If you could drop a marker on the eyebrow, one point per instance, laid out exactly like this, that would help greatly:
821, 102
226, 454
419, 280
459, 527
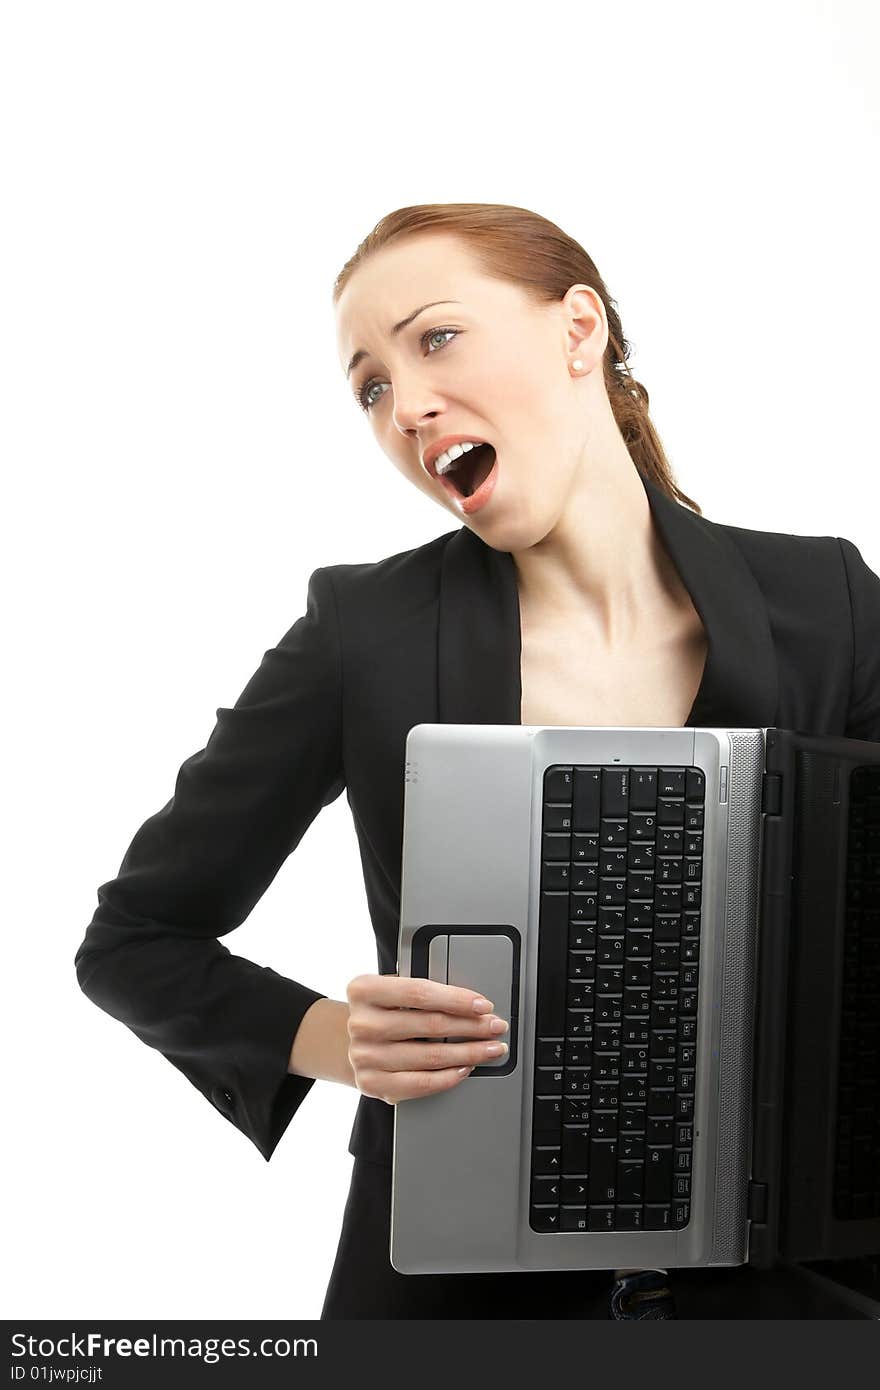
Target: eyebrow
398, 327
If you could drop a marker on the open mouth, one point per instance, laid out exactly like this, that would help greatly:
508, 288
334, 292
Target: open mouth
472, 469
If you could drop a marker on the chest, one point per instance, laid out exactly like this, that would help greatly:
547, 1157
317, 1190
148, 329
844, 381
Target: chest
567, 678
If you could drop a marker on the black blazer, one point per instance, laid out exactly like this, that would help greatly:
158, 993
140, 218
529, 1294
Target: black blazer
430, 635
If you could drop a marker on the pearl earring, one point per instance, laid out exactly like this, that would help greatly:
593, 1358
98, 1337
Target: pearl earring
577, 364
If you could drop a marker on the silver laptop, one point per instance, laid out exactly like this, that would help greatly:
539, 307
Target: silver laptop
682, 928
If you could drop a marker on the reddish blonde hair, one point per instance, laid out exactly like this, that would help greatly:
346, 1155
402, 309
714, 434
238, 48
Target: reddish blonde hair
514, 244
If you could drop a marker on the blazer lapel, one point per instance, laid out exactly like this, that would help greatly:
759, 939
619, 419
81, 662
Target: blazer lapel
479, 634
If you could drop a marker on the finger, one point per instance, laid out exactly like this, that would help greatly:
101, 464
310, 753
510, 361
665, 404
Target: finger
416, 992
410, 1085
395, 1025
427, 1056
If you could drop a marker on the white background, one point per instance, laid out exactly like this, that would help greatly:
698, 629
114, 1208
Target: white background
181, 183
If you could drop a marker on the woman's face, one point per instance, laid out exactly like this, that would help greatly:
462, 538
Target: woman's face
491, 365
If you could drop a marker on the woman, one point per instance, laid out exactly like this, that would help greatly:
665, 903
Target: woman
574, 589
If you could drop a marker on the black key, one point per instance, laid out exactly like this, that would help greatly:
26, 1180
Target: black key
576, 1110
544, 1218
604, 1124
612, 832
658, 1217
630, 1182
585, 848
639, 944
584, 878
575, 1148
607, 1037
547, 1158
695, 784
684, 1107
663, 1074
581, 994
670, 812
667, 927
582, 907
548, 1081
643, 789
578, 1022
637, 972
634, 1090
632, 1119
545, 1191
606, 1095
610, 950
556, 877
684, 1135
660, 1130
681, 1214
643, 826
547, 1114
600, 1218
658, 1174
574, 1218
578, 1053
557, 783
606, 1066
609, 979
671, 781
557, 818
555, 847
587, 785
603, 1170
663, 1047
552, 964
549, 1052
615, 791
574, 1191
582, 936
630, 1218
578, 1081
632, 1148
635, 1032
669, 841
661, 1102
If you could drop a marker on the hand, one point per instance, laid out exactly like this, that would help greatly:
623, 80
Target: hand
395, 1027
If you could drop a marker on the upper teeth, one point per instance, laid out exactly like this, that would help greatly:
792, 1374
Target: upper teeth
445, 461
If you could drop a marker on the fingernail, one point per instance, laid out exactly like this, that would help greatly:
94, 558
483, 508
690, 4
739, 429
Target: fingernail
483, 1006
499, 1025
463, 1071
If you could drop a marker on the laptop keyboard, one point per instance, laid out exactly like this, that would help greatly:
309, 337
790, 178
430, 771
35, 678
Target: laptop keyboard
857, 1159
616, 1018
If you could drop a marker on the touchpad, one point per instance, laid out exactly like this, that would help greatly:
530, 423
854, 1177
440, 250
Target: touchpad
484, 963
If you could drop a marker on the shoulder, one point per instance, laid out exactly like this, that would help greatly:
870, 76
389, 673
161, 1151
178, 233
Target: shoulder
392, 573
371, 597
800, 569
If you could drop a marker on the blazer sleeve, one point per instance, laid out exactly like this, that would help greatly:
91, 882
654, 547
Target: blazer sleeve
863, 720
195, 870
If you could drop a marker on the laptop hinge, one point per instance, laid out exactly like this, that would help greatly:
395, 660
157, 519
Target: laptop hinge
758, 1202
771, 794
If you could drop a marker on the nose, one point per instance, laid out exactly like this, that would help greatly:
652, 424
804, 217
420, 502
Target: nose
414, 402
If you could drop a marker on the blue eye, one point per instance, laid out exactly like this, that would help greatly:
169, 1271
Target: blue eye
361, 393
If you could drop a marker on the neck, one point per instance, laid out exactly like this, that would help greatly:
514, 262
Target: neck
602, 566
